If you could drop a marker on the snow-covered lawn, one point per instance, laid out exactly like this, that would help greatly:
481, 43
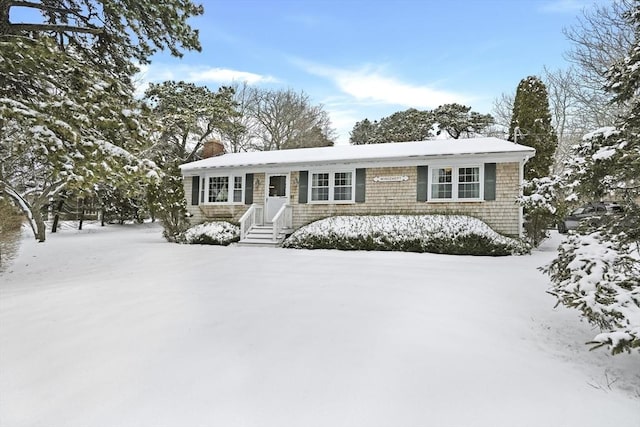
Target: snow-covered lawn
115, 327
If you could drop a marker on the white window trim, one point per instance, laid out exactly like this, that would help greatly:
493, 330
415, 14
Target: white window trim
454, 183
230, 189
332, 180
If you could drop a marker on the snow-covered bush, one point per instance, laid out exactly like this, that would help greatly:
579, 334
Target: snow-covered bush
540, 202
599, 274
212, 233
444, 234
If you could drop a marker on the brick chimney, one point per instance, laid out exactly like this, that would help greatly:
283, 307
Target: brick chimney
212, 148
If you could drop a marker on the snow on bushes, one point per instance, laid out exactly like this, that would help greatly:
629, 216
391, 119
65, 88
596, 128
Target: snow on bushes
599, 274
443, 234
212, 233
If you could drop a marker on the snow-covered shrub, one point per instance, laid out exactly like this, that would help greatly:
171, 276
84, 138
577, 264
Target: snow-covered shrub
599, 274
540, 202
443, 234
211, 233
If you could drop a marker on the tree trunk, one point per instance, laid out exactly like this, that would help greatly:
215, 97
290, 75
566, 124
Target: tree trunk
33, 214
40, 232
56, 217
81, 215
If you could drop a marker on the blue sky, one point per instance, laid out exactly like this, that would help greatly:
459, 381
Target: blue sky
368, 59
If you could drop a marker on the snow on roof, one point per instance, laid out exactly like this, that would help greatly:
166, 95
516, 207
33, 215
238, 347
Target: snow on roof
364, 153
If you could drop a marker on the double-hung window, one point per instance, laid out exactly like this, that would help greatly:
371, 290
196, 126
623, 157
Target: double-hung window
224, 189
442, 183
237, 189
343, 186
455, 183
320, 187
332, 187
469, 183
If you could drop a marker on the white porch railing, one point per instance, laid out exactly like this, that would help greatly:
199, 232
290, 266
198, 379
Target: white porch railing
283, 219
253, 216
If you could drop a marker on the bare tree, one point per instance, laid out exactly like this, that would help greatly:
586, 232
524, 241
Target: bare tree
287, 119
602, 36
503, 109
566, 112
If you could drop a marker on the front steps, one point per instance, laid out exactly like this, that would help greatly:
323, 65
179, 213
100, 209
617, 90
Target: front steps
262, 235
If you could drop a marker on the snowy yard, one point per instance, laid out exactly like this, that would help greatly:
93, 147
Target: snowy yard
115, 327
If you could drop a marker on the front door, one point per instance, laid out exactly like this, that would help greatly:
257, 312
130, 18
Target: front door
277, 194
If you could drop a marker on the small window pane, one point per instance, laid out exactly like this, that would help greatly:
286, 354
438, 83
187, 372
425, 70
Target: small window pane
320, 180
342, 193
320, 193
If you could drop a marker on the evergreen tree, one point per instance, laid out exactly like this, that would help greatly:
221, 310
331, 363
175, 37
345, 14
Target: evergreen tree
187, 116
458, 120
401, 126
598, 268
419, 125
531, 126
364, 132
167, 201
64, 126
68, 117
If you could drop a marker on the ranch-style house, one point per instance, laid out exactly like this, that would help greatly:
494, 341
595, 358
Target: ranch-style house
272, 193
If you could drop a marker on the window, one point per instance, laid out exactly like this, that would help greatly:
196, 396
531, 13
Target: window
342, 186
218, 189
441, 183
319, 186
332, 186
237, 189
469, 183
455, 183
223, 189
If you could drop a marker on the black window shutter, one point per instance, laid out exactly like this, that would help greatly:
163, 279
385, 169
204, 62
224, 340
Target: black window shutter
303, 186
423, 183
195, 190
489, 181
361, 185
248, 189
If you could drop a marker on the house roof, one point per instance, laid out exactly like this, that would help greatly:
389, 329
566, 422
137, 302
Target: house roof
341, 154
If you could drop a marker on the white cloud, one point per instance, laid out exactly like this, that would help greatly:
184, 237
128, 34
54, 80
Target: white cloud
370, 85
378, 88
195, 74
225, 75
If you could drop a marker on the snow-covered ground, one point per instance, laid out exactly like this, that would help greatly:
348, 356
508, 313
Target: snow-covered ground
115, 327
